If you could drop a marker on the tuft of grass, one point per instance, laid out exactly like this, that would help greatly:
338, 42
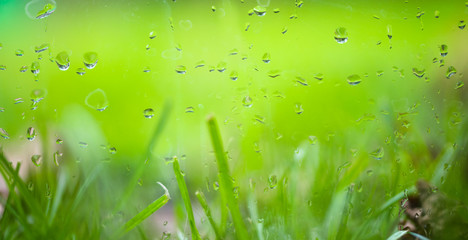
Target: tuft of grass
186, 198
145, 213
206, 208
225, 180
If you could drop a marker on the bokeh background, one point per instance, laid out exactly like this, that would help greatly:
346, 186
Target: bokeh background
411, 119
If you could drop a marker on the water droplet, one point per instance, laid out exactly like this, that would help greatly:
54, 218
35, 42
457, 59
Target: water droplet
90, 59
419, 72
462, 24
276, 10
233, 52
260, 220
19, 52
147, 69
380, 73
451, 71
3, 67
378, 154
259, 119
221, 66
341, 35
2, 109
443, 50
4, 134
233, 76
189, 110
284, 30
148, 113
272, 182
235, 190
312, 140
31, 134
80, 71
181, 69
59, 141
36, 159
200, 64
19, 100
298, 108
247, 101
266, 58
216, 186
299, 4
112, 150
302, 81
293, 16
274, 73
259, 11
63, 61
165, 223
459, 84
37, 95
83, 144
35, 67
436, 13
41, 48
46, 11
389, 31
152, 35
247, 26
97, 99
354, 79
57, 158
23, 69
370, 172
213, 8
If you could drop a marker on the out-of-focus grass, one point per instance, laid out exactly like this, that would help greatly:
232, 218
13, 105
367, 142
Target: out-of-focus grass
291, 172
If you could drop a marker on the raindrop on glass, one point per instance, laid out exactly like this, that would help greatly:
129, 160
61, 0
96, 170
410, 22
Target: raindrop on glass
148, 113
341, 35
354, 79
63, 61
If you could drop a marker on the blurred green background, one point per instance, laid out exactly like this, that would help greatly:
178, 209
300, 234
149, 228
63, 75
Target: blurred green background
409, 117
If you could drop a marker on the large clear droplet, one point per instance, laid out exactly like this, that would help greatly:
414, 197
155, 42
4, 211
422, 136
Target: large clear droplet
63, 61
148, 113
354, 79
31, 134
90, 59
341, 35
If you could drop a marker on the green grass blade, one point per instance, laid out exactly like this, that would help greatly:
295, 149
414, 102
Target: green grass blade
345, 214
141, 166
150, 209
226, 186
418, 236
204, 204
185, 196
397, 235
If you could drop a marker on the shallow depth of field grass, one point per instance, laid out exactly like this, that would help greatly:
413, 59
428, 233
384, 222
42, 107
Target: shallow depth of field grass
254, 119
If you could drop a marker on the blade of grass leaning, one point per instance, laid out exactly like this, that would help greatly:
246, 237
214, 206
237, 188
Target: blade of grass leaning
203, 203
397, 235
186, 197
345, 214
145, 213
418, 236
151, 145
226, 186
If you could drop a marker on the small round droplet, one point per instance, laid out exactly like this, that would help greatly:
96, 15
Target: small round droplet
147, 69
112, 150
41, 48
59, 141
181, 69
451, 71
37, 160
419, 72
259, 11
3, 67
274, 73
46, 11
35, 67
266, 58
57, 158
152, 35
462, 24
221, 66
354, 79
443, 50
90, 59
4, 134
189, 110
272, 182
341, 35
298, 108
276, 10
23, 69
233, 76
80, 71
19, 52
97, 99
148, 113
38, 94
436, 13
31, 134
312, 140
378, 154
63, 61
247, 101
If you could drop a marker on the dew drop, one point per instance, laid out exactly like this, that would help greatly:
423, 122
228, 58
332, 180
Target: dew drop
378, 154
148, 113
234, 76
46, 11
41, 48
147, 69
443, 50
274, 73
31, 134
23, 69
312, 140
276, 10
221, 66
37, 160
266, 58
298, 108
152, 35
97, 99
341, 35
247, 102
354, 79
189, 110
35, 67
90, 59
462, 24
272, 182
57, 158
112, 150
3, 67
80, 71
259, 11
63, 61
4, 134
181, 69
450, 72
419, 72
19, 52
